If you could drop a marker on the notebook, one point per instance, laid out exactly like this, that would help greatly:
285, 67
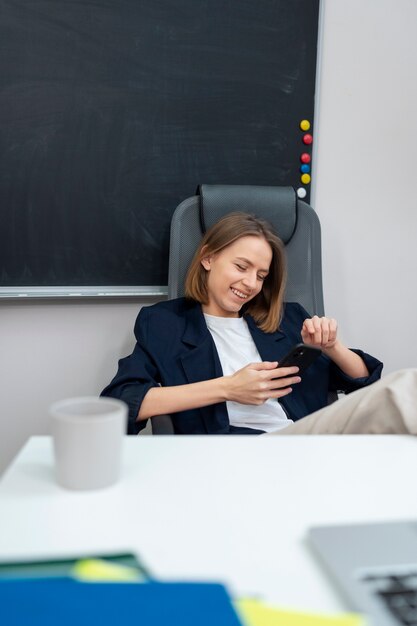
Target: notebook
65, 602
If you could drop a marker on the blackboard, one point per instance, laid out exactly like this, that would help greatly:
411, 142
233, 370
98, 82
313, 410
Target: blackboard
113, 111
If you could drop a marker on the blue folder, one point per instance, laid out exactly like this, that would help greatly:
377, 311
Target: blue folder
64, 602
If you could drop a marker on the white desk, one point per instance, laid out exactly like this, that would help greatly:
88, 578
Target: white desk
234, 509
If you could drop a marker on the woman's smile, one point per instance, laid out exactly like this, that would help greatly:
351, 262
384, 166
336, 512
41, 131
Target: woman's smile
239, 294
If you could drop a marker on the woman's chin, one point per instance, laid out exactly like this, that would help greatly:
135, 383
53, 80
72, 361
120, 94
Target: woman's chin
235, 307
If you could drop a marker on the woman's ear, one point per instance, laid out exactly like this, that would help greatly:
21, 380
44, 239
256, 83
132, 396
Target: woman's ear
205, 259
206, 263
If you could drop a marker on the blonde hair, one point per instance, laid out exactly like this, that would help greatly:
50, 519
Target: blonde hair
266, 307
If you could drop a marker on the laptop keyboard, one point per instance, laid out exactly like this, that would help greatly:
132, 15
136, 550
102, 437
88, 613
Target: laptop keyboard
398, 592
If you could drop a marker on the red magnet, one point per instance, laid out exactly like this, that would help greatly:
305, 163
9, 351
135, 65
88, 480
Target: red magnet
305, 158
308, 139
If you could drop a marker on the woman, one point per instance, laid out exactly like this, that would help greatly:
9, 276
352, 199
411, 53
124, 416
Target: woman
210, 359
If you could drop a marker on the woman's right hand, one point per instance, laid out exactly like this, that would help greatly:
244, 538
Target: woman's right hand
257, 382
253, 384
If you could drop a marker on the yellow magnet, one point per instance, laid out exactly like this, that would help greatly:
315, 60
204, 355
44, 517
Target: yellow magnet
305, 179
305, 125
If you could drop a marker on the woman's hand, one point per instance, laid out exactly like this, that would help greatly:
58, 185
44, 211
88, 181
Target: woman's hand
257, 382
320, 332
252, 384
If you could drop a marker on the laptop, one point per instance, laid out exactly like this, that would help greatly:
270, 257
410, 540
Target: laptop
375, 567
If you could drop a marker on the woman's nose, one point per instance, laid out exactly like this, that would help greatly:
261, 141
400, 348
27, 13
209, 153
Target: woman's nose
250, 280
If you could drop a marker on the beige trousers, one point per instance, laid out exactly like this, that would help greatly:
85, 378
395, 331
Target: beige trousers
388, 406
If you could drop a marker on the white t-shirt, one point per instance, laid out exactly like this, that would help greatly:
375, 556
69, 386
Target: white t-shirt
236, 349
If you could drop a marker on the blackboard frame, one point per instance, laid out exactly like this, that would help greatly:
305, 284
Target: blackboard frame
93, 289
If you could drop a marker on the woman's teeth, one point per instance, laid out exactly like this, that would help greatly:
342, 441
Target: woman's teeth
239, 294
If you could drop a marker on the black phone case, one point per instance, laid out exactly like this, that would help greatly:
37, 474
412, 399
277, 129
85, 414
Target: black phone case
301, 355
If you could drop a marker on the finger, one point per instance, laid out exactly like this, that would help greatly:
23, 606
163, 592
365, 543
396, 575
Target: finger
263, 365
325, 330
282, 372
281, 393
317, 330
281, 383
313, 327
305, 335
308, 325
332, 330
307, 331
272, 395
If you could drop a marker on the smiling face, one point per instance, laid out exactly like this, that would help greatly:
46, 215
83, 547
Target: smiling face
235, 275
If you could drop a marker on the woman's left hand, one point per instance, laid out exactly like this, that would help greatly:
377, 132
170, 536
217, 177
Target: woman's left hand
320, 332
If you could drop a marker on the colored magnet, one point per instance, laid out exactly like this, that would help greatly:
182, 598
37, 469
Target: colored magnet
305, 158
305, 125
305, 179
301, 192
305, 169
308, 139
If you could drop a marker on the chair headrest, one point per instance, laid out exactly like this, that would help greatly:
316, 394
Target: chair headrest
277, 205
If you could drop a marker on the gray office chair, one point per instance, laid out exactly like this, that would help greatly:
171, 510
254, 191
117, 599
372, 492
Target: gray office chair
294, 221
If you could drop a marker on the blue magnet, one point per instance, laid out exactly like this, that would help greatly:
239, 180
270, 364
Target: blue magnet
305, 168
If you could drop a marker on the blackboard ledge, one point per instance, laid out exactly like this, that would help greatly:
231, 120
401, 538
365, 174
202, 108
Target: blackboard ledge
127, 291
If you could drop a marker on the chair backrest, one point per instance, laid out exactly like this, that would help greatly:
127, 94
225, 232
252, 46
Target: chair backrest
294, 221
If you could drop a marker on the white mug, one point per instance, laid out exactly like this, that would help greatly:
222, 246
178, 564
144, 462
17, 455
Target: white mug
88, 439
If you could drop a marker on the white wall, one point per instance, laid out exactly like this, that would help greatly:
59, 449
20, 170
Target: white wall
365, 195
365, 192
51, 351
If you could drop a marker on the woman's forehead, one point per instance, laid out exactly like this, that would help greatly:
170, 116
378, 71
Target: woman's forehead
251, 247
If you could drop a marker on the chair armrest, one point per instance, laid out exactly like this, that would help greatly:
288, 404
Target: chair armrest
332, 396
162, 425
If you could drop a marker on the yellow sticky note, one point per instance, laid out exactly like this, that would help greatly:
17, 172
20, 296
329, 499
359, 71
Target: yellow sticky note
99, 570
256, 613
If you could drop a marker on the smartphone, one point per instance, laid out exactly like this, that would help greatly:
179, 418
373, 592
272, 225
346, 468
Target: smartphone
301, 355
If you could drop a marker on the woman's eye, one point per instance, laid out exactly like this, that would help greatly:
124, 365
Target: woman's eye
261, 277
240, 267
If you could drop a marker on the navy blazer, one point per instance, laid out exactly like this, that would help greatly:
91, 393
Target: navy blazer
175, 347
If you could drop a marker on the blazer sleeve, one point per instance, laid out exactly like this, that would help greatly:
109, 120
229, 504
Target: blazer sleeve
136, 374
339, 381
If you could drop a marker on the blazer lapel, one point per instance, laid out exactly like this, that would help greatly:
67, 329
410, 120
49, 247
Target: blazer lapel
201, 362
271, 346
198, 362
